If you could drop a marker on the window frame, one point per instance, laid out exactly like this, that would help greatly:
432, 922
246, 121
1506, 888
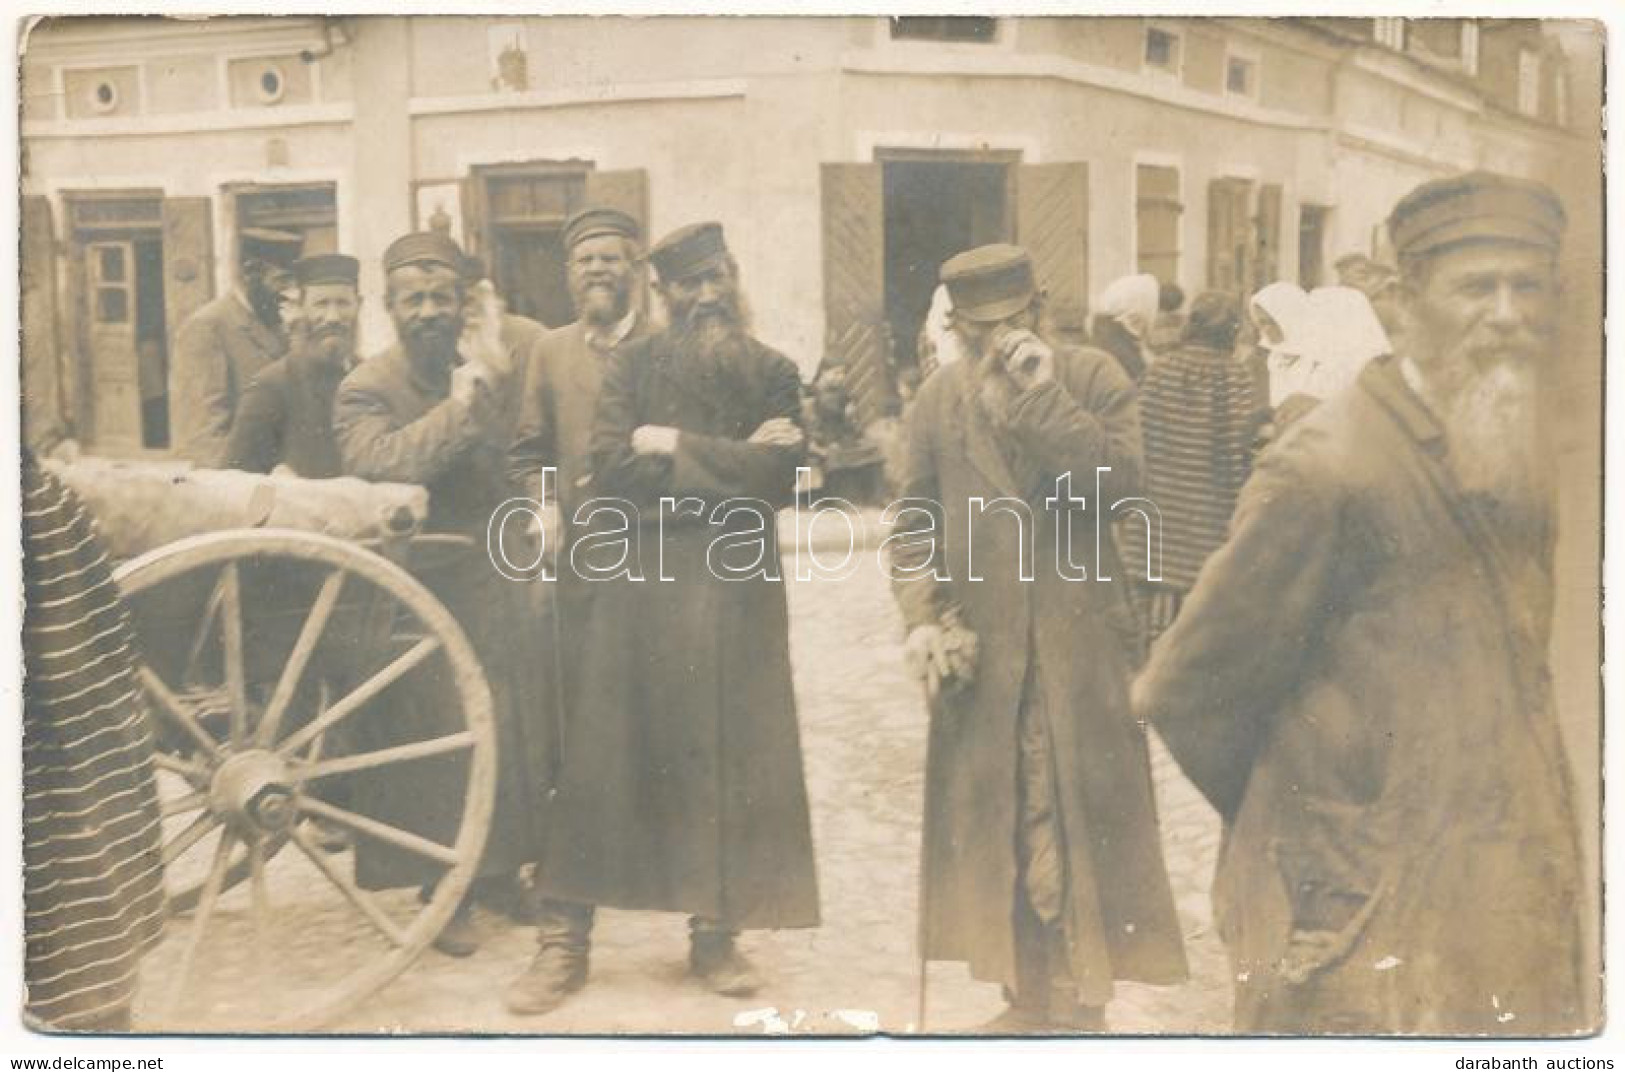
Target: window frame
1177, 71
1254, 61
1529, 73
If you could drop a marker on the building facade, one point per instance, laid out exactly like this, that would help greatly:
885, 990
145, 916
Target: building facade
846, 156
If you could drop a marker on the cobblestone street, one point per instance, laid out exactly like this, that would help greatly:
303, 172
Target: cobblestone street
864, 730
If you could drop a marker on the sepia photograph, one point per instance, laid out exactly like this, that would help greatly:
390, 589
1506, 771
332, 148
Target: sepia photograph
963, 526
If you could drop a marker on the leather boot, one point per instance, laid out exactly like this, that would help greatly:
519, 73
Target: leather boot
716, 960
559, 969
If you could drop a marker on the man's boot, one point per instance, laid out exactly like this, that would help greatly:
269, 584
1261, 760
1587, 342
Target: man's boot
714, 957
459, 937
559, 969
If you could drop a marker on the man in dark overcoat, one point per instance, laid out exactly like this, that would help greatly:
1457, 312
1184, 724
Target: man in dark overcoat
681, 784
224, 345
562, 372
421, 412
1042, 867
285, 417
1358, 681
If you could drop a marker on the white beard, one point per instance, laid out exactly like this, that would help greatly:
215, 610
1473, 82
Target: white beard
1490, 421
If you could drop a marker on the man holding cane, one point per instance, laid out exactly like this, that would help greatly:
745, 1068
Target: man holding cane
1041, 862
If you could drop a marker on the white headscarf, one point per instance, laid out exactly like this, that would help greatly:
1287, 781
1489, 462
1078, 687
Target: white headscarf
1132, 302
1288, 306
1344, 334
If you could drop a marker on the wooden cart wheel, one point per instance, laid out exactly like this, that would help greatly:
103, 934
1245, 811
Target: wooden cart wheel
261, 648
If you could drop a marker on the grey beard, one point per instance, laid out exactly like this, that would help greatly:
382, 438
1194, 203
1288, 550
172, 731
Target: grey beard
1490, 421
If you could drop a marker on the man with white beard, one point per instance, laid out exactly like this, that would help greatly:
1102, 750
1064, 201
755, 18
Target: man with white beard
1358, 680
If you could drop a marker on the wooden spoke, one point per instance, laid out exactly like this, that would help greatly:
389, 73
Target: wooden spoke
435, 746
262, 900
360, 696
200, 922
361, 824
195, 773
205, 625
353, 893
173, 707
316, 621
231, 638
182, 805
194, 832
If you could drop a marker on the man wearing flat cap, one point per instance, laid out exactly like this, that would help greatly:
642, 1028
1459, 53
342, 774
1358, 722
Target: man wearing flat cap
562, 372
681, 786
1041, 868
1358, 680
285, 417
226, 343
422, 412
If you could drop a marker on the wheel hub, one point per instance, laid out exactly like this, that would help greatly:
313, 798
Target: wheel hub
252, 789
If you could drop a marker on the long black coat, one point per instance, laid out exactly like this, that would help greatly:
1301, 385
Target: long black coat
1122, 911
682, 786
1358, 683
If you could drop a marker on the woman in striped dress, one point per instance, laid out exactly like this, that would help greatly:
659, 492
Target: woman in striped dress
92, 876
1199, 414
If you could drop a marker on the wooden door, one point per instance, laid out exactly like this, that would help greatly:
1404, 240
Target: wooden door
855, 333
1052, 224
115, 392
44, 418
1229, 234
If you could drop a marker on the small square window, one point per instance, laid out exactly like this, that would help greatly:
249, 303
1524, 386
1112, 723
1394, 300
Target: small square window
1241, 76
1162, 50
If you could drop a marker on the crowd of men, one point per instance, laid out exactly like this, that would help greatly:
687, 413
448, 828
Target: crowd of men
1343, 647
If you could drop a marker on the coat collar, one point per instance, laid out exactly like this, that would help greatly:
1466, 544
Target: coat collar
1384, 380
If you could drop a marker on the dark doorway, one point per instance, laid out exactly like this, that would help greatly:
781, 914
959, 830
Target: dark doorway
152, 357
936, 205
526, 206
1312, 245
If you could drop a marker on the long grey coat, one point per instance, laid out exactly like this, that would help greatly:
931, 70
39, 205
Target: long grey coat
1358, 683
1122, 911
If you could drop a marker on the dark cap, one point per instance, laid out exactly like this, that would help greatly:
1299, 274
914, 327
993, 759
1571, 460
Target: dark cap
1478, 206
268, 244
593, 221
688, 250
1214, 319
423, 247
990, 282
327, 268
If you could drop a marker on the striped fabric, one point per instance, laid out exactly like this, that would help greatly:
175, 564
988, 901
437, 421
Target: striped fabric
1199, 414
92, 877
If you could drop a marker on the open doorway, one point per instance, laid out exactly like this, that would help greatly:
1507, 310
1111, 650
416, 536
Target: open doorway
936, 204
525, 206
117, 270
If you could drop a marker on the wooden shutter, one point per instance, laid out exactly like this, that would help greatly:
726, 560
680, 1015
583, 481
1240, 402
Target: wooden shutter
625, 190
1052, 223
188, 261
476, 216
855, 334
44, 415
1229, 237
1267, 262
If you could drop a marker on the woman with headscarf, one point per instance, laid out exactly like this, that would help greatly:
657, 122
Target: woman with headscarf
1122, 322
1199, 416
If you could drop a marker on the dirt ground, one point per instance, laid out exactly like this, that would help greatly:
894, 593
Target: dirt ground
863, 730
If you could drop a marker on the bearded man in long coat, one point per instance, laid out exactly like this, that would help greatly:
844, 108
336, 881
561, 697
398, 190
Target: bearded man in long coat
421, 413
1358, 680
1042, 866
681, 785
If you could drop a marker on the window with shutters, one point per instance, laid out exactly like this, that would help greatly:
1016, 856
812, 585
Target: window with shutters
1157, 210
